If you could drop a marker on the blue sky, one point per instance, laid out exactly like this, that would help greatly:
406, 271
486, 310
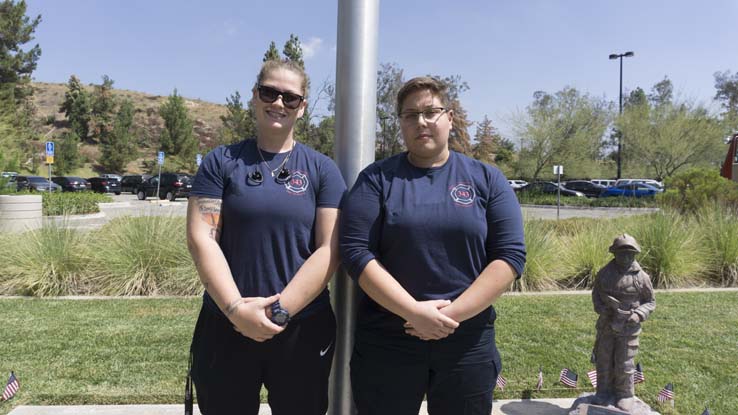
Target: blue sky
504, 50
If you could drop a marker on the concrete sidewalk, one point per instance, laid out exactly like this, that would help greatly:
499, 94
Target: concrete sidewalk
504, 407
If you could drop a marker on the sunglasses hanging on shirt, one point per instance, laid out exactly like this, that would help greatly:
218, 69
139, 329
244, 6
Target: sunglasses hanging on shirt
256, 178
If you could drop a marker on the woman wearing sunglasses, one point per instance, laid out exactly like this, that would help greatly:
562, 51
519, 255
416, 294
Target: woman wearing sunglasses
433, 238
262, 231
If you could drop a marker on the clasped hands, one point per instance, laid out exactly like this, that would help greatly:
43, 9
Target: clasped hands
430, 320
251, 318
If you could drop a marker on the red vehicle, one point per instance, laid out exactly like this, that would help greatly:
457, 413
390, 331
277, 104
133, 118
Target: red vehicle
730, 166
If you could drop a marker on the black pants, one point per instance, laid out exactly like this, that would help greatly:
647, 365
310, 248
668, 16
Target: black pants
228, 369
390, 373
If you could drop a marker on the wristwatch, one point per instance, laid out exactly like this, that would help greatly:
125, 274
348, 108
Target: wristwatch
280, 316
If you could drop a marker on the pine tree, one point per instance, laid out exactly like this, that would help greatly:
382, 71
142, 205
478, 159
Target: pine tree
238, 123
67, 155
119, 149
103, 110
293, 51
486, 138
272, 53
177, 138
17, 65
76, 106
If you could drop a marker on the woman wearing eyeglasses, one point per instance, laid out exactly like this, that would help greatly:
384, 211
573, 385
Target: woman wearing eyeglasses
433, 238
262, 231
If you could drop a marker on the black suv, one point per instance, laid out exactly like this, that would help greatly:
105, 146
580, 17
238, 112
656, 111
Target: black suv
71, 183
173, 185
130, 182
588, 188
104, 185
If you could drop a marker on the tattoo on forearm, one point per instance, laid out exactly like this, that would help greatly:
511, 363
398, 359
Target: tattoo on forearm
210, 214
233, 306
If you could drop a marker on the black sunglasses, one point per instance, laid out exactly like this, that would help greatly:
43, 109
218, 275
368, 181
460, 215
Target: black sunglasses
256, 178
269, 95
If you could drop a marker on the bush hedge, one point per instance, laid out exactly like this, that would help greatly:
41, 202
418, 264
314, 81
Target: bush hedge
72, 203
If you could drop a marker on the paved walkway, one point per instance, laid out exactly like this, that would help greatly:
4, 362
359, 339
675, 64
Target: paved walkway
504, 407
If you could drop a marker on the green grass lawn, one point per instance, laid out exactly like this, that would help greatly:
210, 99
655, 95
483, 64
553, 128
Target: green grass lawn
135, 350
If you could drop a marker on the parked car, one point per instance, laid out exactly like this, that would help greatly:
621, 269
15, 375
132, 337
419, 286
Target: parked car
631, 190
604, 182
104, 185
655, 183
130, 182
588, 188
517, 184
111, 176
8, 174
71, 183
548, 188
36, 184
173, 185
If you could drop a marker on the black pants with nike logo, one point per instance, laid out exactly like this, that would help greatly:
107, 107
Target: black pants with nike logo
229, 369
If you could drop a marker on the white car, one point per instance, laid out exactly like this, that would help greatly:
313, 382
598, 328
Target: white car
517, 184
604, 182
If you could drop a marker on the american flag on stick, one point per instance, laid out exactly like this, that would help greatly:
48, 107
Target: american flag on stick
592, 375
667, 393
706, 412
539, 382
501, 382
11, 387
568, 378
638, 376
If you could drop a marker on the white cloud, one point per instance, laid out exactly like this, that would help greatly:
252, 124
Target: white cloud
231, 27
311, 47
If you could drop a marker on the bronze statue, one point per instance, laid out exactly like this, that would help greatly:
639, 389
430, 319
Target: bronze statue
623, 297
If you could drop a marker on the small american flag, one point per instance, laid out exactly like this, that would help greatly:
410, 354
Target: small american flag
568, 378
11, 388
592, 375
706, 412
638, 375
501, 382
539, 382
667, 393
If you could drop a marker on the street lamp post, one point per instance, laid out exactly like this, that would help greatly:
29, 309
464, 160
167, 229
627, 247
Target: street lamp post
620, 138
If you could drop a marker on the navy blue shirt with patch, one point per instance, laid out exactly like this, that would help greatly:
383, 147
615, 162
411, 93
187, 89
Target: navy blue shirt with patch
434, 230
268, 227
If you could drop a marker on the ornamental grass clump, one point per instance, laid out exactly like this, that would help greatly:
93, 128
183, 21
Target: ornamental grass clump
672, 253
586, 251
49, 261
540, 266
144, 256
719, 229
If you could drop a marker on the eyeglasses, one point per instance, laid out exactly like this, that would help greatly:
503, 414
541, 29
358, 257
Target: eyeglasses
269, 95
430, 115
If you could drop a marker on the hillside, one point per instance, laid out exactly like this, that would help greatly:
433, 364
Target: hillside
205, 115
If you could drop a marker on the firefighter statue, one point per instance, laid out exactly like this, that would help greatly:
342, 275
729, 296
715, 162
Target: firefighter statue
623, 297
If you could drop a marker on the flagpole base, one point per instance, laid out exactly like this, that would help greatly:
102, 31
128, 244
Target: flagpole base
583, 406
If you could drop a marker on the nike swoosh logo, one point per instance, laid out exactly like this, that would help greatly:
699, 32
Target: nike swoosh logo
323, 352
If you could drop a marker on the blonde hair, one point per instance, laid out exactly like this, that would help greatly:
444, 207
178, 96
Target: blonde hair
274, 64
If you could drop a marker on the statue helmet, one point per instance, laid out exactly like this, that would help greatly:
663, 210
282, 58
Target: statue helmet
625, 242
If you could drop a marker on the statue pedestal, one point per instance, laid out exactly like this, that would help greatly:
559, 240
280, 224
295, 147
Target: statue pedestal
583, 406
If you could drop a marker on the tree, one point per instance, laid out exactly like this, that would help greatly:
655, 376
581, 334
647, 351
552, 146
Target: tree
103, 110
664, 139
662, 92
459, 139
272, 53
67, 156
238, 122
565, 128
77, 107
486, 139
388, 140
293, 51
726, 86
119, 148
177, 138
635, 98
16, 65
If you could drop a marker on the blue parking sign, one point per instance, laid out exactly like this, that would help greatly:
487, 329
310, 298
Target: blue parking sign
160, 158
50, 148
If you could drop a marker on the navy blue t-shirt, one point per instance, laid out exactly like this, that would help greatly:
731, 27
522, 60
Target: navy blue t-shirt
268, 228
434, 230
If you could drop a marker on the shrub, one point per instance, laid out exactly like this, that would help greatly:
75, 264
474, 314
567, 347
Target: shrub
144, 256
48, 261
719, 229
586, 251
68, 203
539, 271
671, 251
698, 187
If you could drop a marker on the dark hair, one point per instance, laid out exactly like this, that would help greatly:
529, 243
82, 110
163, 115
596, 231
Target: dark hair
274, 64
422, 83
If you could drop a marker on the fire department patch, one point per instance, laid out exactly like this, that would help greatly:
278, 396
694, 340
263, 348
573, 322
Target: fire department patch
297, 184
463, 194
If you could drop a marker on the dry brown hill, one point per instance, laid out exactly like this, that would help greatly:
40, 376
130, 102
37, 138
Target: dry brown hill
205, 115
